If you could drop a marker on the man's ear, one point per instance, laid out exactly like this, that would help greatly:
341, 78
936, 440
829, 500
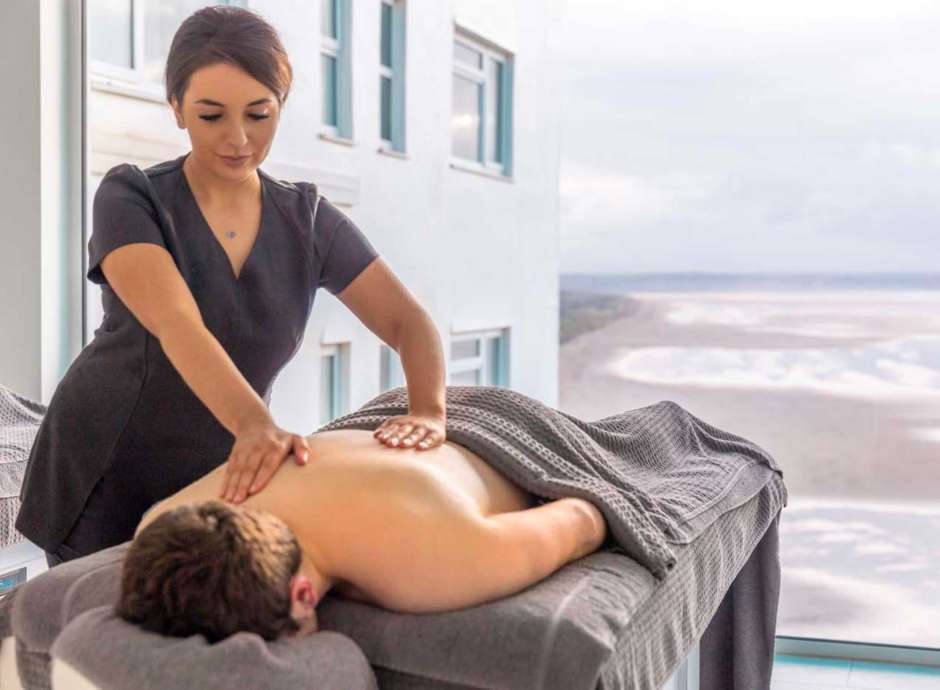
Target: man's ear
303, 596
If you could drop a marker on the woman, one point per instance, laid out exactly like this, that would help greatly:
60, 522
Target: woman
208, 268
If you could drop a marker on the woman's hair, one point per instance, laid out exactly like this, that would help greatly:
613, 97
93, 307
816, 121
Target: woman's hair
209, 568
233, 35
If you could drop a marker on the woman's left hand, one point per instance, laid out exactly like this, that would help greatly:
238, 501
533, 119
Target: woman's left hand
412, 430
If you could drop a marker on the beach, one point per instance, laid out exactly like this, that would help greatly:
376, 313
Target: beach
843, 389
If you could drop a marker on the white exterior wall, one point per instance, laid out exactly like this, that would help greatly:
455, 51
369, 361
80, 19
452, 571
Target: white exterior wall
477, 251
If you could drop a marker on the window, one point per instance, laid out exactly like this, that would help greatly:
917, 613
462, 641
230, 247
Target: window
129, 40
392, 74
481, 120
480, 358
334, 381
335, 67
391, 374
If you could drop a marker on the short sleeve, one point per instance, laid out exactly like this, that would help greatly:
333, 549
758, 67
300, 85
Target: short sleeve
122, 213
343, 249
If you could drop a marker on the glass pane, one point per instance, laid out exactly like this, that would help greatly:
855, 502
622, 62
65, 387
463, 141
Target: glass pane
462, 349
467, 56
465, 121
111, 30
466, 378
386, 48
329, 90
494, 79
495, 347
328, 18
161, 20
327, 386
386, 110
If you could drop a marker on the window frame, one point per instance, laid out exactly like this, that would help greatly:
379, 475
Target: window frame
492, 373
395, 73
130, 81
338, 394
480, 76
391, 372
339, 48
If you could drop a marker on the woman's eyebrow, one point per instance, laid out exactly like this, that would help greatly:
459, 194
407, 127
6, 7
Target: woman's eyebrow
209, 101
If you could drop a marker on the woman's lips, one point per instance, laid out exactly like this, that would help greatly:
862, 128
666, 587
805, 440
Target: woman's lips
229, 160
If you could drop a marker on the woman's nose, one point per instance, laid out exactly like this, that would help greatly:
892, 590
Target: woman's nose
236, 137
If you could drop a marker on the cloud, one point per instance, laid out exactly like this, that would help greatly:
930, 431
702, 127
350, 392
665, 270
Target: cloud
747, 137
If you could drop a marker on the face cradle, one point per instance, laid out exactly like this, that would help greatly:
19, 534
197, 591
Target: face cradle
239, 120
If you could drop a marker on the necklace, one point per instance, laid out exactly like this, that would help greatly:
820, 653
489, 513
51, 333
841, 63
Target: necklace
230, 234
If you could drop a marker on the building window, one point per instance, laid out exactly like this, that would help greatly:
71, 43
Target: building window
334, 381
481, 120
479, 359
335, 67
391, 374
129, 40
392, 74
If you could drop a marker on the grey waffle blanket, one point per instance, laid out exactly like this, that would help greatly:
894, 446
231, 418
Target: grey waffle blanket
19, 421
659, 474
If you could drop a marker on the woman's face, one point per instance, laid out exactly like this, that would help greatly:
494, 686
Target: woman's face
228, 113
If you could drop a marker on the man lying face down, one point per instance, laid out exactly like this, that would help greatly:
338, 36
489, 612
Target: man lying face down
410, 531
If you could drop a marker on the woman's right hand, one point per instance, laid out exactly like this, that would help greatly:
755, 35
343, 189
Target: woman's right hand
258, 452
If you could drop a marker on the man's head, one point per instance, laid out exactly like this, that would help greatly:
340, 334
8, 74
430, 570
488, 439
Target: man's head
214, 569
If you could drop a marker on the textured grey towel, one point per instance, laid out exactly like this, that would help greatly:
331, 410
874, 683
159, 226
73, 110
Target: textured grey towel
19, 421
659, 474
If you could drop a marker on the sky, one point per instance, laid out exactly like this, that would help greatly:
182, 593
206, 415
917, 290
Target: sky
750, 136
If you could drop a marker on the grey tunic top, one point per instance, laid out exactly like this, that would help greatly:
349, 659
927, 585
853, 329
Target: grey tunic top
121, 399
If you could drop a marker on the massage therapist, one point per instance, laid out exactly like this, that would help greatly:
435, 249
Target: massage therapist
208, 268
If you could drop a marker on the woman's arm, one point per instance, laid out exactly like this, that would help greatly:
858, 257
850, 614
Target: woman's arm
148, 282
389, 310
146, 279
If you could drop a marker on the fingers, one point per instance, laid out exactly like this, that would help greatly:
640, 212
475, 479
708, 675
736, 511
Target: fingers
420, 436
394, 433
301, 449
248, 475
266, 470
431, 440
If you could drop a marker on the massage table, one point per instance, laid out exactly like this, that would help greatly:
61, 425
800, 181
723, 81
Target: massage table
702, 617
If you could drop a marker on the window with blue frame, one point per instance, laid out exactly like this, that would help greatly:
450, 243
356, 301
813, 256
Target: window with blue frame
334, 381
129, 40
392, 74
335, 67
481, 118
480, 358
391, 374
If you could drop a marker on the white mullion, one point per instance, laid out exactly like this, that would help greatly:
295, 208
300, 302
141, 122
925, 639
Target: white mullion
469, 73
468, 364
386, 71
137, 38
329, 46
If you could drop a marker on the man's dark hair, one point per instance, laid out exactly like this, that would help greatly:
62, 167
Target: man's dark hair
212, 569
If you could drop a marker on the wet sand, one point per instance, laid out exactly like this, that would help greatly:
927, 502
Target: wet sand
828, 444
859, 550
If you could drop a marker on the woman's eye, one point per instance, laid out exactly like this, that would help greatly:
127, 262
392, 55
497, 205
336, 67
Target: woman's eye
213, 118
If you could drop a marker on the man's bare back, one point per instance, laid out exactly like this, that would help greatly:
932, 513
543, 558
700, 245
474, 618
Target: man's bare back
412, 530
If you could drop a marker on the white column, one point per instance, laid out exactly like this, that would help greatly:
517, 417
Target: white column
41, 181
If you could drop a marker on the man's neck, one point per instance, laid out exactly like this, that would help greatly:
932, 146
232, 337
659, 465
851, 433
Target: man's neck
321, 581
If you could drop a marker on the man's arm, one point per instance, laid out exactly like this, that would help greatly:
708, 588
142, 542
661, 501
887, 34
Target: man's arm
467, 560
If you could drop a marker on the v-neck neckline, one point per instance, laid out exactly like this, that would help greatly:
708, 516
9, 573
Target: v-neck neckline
215, 240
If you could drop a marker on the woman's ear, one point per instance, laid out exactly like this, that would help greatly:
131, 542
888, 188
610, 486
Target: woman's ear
176, 113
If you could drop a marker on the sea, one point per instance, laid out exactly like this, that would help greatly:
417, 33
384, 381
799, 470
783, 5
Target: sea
855, 358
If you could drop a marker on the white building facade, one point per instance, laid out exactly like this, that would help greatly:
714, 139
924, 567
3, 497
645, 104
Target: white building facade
433, 124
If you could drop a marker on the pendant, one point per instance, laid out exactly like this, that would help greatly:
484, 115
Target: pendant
230, 234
